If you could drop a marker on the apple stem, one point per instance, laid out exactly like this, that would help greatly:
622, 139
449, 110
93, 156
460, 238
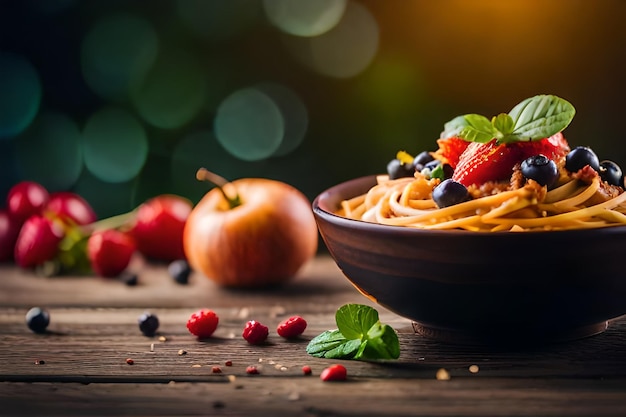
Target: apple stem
226, 187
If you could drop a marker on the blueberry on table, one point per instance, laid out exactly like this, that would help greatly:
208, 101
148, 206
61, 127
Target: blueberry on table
580, 156
148, 324
179, 270
541, 169
37, 319
449, 193
611, 173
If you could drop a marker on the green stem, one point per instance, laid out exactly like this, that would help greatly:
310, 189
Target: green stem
222, 183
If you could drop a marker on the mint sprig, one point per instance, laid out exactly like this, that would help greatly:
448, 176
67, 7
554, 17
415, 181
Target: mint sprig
359, 335
535, 118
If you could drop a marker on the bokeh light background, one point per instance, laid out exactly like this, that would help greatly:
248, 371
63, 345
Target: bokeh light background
121, 100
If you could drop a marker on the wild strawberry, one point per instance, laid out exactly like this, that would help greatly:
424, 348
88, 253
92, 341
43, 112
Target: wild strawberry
25, 199
158, 229
292, 327
255, 333
38, 241
69, 205
109, 252
202, 323
9, 230
450, 150
483, 162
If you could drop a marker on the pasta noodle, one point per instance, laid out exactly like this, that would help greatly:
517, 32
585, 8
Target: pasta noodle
407, 202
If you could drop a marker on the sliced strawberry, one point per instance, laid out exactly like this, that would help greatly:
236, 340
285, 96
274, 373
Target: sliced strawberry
450, 150
483, 162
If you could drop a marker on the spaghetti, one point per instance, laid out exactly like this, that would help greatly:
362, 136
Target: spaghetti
574, 203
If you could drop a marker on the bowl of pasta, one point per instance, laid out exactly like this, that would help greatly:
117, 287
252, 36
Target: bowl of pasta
513, 260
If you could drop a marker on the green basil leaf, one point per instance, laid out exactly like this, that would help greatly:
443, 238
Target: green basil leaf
354, 320
479, 129
540, 117
504, 123
454, 127
332, 344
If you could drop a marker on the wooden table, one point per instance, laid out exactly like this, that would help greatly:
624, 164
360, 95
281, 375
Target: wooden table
79, 368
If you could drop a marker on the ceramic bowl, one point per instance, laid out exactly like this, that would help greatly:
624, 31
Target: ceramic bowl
480, 287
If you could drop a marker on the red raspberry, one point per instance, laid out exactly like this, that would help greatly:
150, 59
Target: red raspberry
292, 327
202, 323
110, 252
334, 373
255, 333
306, 370
38, 241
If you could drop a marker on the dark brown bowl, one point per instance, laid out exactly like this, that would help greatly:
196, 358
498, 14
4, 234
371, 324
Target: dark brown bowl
480, 287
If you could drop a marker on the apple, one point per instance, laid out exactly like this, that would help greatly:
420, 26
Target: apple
252, 232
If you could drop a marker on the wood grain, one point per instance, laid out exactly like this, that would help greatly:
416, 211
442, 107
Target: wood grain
94, 330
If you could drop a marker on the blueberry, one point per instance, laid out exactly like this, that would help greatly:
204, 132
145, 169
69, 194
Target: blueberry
396, 169
37, 319
423, 158
580, 156
179, 270
541, 169
611, 173
449, 193
148, 324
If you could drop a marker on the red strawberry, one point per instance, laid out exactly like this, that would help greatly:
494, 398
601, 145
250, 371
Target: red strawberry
110, 252
483, 162
38, 241
159, 225
450, 150
9, 230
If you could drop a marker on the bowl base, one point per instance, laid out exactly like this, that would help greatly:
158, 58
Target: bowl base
503, 336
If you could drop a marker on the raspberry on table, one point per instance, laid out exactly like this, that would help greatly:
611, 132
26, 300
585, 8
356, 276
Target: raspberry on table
203, 323
255, 333
292, 327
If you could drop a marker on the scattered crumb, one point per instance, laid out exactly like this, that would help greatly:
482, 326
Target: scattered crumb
474, 369
443, 374
151, 347
196, 365
232, 378
162, 339
182, 352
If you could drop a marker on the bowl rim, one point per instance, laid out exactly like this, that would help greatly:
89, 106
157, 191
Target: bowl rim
377, 227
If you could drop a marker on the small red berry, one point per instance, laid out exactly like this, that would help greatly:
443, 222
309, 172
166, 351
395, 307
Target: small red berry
159, 225
110, 252
252, 370
255, 333
306, 370
26, 199
228, 363
334, 373
69, 205
202, 323
38, 241
216, 370
292, 327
